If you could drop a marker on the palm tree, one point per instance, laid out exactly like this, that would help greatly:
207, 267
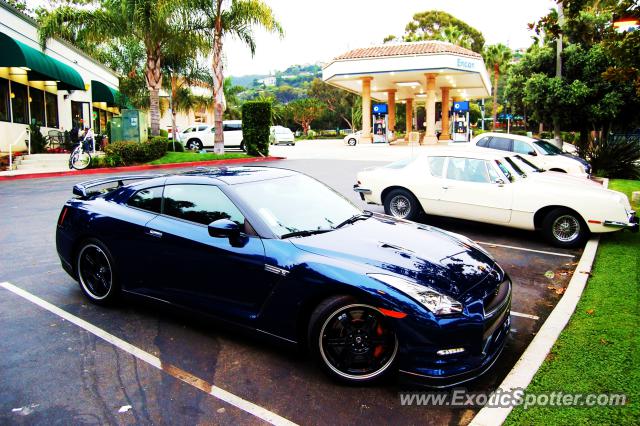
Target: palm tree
496, 57
235, 18
158, 24
455, 35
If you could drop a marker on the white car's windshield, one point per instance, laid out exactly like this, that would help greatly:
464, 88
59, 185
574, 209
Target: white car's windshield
547, 147
297, 204
283, 131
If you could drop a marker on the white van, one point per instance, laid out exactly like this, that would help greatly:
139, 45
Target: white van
199, 136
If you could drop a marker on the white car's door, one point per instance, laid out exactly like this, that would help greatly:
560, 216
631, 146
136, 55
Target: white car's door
470, 191
428, 186
232, 134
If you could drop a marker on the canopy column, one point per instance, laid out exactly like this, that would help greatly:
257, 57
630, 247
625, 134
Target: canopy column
409, 117
391, 102
445, 135
366, 110
430, 106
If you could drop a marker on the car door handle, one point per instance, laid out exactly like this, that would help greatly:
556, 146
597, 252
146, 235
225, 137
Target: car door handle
154, 233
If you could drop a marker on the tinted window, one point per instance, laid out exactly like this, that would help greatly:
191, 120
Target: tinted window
227, 127
436, 164
5, 105
51, 101
36, 99
199, 203
20, 103
521, 147
201, 128
502, 144
468, 169
483, 142
147, 199
547, 147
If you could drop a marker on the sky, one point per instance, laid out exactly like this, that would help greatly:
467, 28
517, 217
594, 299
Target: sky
317, 31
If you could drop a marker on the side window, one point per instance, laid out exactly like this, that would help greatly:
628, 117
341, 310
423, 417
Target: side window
436, 165
483, 142
521, 147
468, 169
226, 127
189, 130
149, 199
199, 203
202, 128
502, 144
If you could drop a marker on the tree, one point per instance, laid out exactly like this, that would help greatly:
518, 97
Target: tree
497, 57
235, 18
157, 24
304, 111
455, 35
431, 24
339, 102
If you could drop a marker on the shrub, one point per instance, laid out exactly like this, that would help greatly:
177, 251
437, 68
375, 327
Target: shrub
38, 141
178, 146
163, 133
614, 157
256, 119
127, 153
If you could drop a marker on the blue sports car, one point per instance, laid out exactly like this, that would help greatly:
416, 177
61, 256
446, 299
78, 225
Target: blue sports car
280, 253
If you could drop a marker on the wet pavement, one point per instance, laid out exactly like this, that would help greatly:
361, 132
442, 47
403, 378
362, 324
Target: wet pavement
54, 372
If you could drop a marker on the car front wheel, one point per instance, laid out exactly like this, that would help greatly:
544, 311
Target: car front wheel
353, 342
564, 228
402, 204
351, 142
194, 145
95, 271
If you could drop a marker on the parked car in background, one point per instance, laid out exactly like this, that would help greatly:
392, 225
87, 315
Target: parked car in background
353, 138
199, 136
281, 135
488, 186
542, 153
284, 255
170, 132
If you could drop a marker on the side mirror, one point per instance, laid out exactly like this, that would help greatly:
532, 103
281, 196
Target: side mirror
532, 153
224, 228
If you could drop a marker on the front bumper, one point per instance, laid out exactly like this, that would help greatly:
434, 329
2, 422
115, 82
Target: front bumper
631, 224
483, 343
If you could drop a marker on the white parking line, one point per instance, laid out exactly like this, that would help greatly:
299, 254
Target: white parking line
174, 371
525, 249
519, 314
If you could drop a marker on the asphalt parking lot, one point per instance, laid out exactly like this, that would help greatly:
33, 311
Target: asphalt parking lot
55, 372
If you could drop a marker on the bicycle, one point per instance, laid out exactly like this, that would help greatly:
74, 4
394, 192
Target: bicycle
80, 157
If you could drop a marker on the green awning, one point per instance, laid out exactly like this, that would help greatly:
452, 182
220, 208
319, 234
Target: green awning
100, 92
41, 67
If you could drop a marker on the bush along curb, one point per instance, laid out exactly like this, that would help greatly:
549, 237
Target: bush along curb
141, 167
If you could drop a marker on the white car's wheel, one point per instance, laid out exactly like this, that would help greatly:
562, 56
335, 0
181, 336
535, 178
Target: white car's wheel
402, 204
194, 145
351, 142
564, 228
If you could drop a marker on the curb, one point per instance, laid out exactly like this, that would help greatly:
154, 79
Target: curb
141, 167
529, 363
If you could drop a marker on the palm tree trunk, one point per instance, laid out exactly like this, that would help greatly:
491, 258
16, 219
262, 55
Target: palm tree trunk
494, 109
153, 75
174, 92
218, 86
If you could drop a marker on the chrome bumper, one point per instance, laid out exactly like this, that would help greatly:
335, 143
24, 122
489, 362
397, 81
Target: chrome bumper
361, 191
631, 225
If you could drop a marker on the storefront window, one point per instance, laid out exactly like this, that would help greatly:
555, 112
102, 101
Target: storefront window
103, 121
80, 114
19, 103
5, 104
96, 120
36, 99
52, 109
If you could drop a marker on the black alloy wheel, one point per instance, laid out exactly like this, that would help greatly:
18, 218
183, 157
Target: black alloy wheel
94, 267
353, 342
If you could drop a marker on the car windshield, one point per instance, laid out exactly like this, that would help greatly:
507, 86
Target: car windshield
295, 204
526, 165
547, 147
515, 168
283, 131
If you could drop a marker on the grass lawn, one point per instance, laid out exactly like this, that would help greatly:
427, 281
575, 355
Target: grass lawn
599, 351
185, 157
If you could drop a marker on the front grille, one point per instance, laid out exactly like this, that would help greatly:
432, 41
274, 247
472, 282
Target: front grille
494, 301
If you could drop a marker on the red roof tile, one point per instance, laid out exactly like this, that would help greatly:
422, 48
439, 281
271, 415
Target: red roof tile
405, 49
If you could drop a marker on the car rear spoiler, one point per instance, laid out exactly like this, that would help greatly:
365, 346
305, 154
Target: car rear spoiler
82, 189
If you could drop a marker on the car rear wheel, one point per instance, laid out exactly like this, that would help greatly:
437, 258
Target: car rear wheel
351, 142
564, 228
94, 267
402, 204
194, 145
353, 342
242, 147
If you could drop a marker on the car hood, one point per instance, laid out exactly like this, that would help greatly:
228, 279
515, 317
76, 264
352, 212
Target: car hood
421, 253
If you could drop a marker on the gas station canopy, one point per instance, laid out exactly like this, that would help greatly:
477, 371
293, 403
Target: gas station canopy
403, 66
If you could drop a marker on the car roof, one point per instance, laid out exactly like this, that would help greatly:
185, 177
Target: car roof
230, 175
505, 135
467, 151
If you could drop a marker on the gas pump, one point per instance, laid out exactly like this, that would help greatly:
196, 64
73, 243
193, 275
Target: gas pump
380, 123
461, 128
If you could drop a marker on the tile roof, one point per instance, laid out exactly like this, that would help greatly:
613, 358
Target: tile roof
432, 47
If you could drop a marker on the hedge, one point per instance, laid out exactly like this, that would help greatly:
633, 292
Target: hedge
256, 119
127, 153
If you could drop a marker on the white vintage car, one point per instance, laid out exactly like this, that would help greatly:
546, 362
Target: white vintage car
542, 153
499, 188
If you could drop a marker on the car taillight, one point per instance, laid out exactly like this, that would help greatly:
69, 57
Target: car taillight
63, 214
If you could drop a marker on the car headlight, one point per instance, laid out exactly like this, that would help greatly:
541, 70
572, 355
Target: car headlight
434, 301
